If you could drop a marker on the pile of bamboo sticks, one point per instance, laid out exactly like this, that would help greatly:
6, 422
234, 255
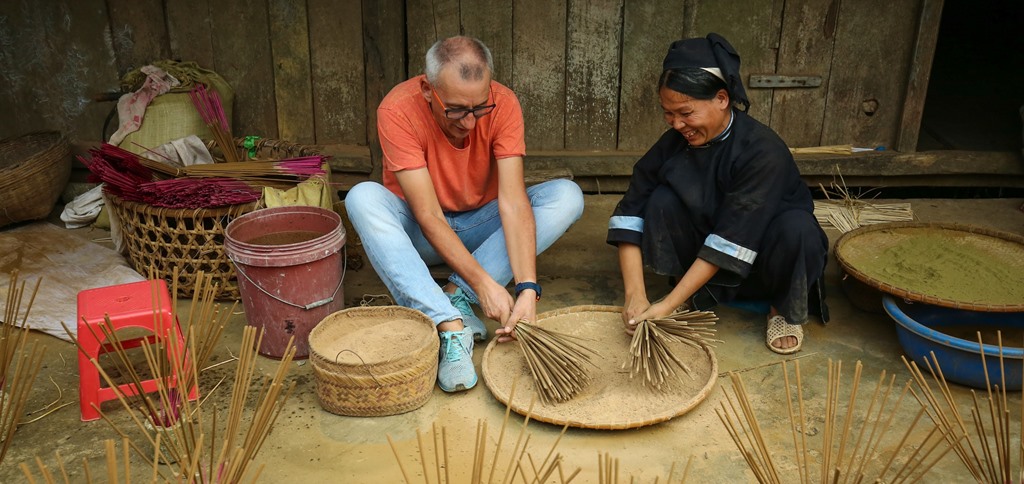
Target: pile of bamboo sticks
180, 432
982, 440
608, 471
19, 361
112, 467
521, 463
558, 363
840, 460
651, 353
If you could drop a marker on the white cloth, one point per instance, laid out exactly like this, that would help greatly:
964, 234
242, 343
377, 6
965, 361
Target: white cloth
66, 263
83, 209
186, 151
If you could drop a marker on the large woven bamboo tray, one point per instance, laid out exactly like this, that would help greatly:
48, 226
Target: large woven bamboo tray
612, 400
943, 264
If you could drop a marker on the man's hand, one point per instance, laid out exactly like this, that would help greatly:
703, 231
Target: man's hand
495, 301
525, 310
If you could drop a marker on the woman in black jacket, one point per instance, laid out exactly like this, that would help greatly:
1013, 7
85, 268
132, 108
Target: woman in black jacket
718, 204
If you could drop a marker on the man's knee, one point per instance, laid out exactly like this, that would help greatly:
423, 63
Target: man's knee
564, 194
363, 197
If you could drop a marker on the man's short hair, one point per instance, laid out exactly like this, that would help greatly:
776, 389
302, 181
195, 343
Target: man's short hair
470, 56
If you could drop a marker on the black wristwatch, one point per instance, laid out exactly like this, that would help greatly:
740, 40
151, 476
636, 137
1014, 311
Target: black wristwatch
522, 286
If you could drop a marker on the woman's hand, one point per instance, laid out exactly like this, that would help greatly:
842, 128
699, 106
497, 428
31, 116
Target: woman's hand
634, 307
657, 310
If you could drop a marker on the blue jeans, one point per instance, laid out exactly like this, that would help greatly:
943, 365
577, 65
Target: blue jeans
400, 253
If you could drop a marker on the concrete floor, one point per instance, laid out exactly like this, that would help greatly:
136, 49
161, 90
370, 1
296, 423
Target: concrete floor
312, 445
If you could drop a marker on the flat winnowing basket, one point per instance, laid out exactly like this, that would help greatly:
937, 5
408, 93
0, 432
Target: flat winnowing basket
374, 361
33, 171
191, 239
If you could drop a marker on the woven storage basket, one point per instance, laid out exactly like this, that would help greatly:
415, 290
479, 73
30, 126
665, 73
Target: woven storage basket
374, 361
190, 239
33, 171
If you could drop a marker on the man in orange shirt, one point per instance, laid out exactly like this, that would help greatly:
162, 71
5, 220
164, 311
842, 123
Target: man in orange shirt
454, 192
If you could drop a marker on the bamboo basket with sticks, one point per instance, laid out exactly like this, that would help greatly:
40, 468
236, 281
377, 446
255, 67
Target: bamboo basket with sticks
191, 240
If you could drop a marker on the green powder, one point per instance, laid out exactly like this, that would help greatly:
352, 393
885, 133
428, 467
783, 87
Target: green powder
953, 265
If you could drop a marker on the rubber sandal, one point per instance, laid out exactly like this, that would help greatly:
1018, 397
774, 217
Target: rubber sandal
779, 328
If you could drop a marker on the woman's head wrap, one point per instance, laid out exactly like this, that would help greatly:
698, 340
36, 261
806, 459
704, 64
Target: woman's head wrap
711, 54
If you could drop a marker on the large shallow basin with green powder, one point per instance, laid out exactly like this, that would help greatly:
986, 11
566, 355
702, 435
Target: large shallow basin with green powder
948, 265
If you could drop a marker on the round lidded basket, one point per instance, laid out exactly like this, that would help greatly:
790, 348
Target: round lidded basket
374, 361
33, 171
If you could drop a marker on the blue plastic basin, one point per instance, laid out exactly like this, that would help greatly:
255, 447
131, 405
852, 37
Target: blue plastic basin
918, 327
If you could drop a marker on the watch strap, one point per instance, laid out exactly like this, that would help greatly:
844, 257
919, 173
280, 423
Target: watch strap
522, 286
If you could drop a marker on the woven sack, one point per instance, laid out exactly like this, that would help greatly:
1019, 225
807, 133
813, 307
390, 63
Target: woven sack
374, 361
34, 168
160, 239
172, 115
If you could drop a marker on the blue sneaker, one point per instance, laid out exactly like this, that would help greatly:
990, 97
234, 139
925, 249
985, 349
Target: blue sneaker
469, 319
455, 371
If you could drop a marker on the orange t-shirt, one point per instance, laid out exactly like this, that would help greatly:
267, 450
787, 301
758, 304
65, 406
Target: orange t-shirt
464, 178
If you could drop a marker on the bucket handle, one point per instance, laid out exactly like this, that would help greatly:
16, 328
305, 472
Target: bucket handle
307, 307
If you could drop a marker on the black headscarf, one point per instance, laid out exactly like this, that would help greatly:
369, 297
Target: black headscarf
712, 51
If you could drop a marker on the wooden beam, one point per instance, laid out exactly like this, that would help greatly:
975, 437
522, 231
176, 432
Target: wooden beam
592, 93
385, 55
293, 92
876, 164
338, 76
920, 73
539, 70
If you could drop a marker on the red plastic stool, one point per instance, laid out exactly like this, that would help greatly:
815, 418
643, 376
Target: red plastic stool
128, 306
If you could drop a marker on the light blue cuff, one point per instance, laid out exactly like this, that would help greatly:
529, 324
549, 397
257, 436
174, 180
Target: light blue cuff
622, 222
728, 248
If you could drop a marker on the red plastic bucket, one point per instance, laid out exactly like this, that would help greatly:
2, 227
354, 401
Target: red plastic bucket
290, 269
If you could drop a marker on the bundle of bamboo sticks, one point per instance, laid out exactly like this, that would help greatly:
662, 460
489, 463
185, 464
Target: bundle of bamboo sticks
839, 461
651, 353
19, 361
981, 440
847, 212
208, 105
558, 363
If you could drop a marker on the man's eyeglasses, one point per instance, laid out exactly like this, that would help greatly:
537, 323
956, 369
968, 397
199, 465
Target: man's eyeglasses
459, 113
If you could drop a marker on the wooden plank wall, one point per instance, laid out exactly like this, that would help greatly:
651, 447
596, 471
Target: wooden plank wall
585, 70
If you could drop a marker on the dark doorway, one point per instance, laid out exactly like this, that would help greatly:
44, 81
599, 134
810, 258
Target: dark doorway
975, 95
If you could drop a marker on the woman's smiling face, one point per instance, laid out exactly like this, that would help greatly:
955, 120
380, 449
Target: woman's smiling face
698, 120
